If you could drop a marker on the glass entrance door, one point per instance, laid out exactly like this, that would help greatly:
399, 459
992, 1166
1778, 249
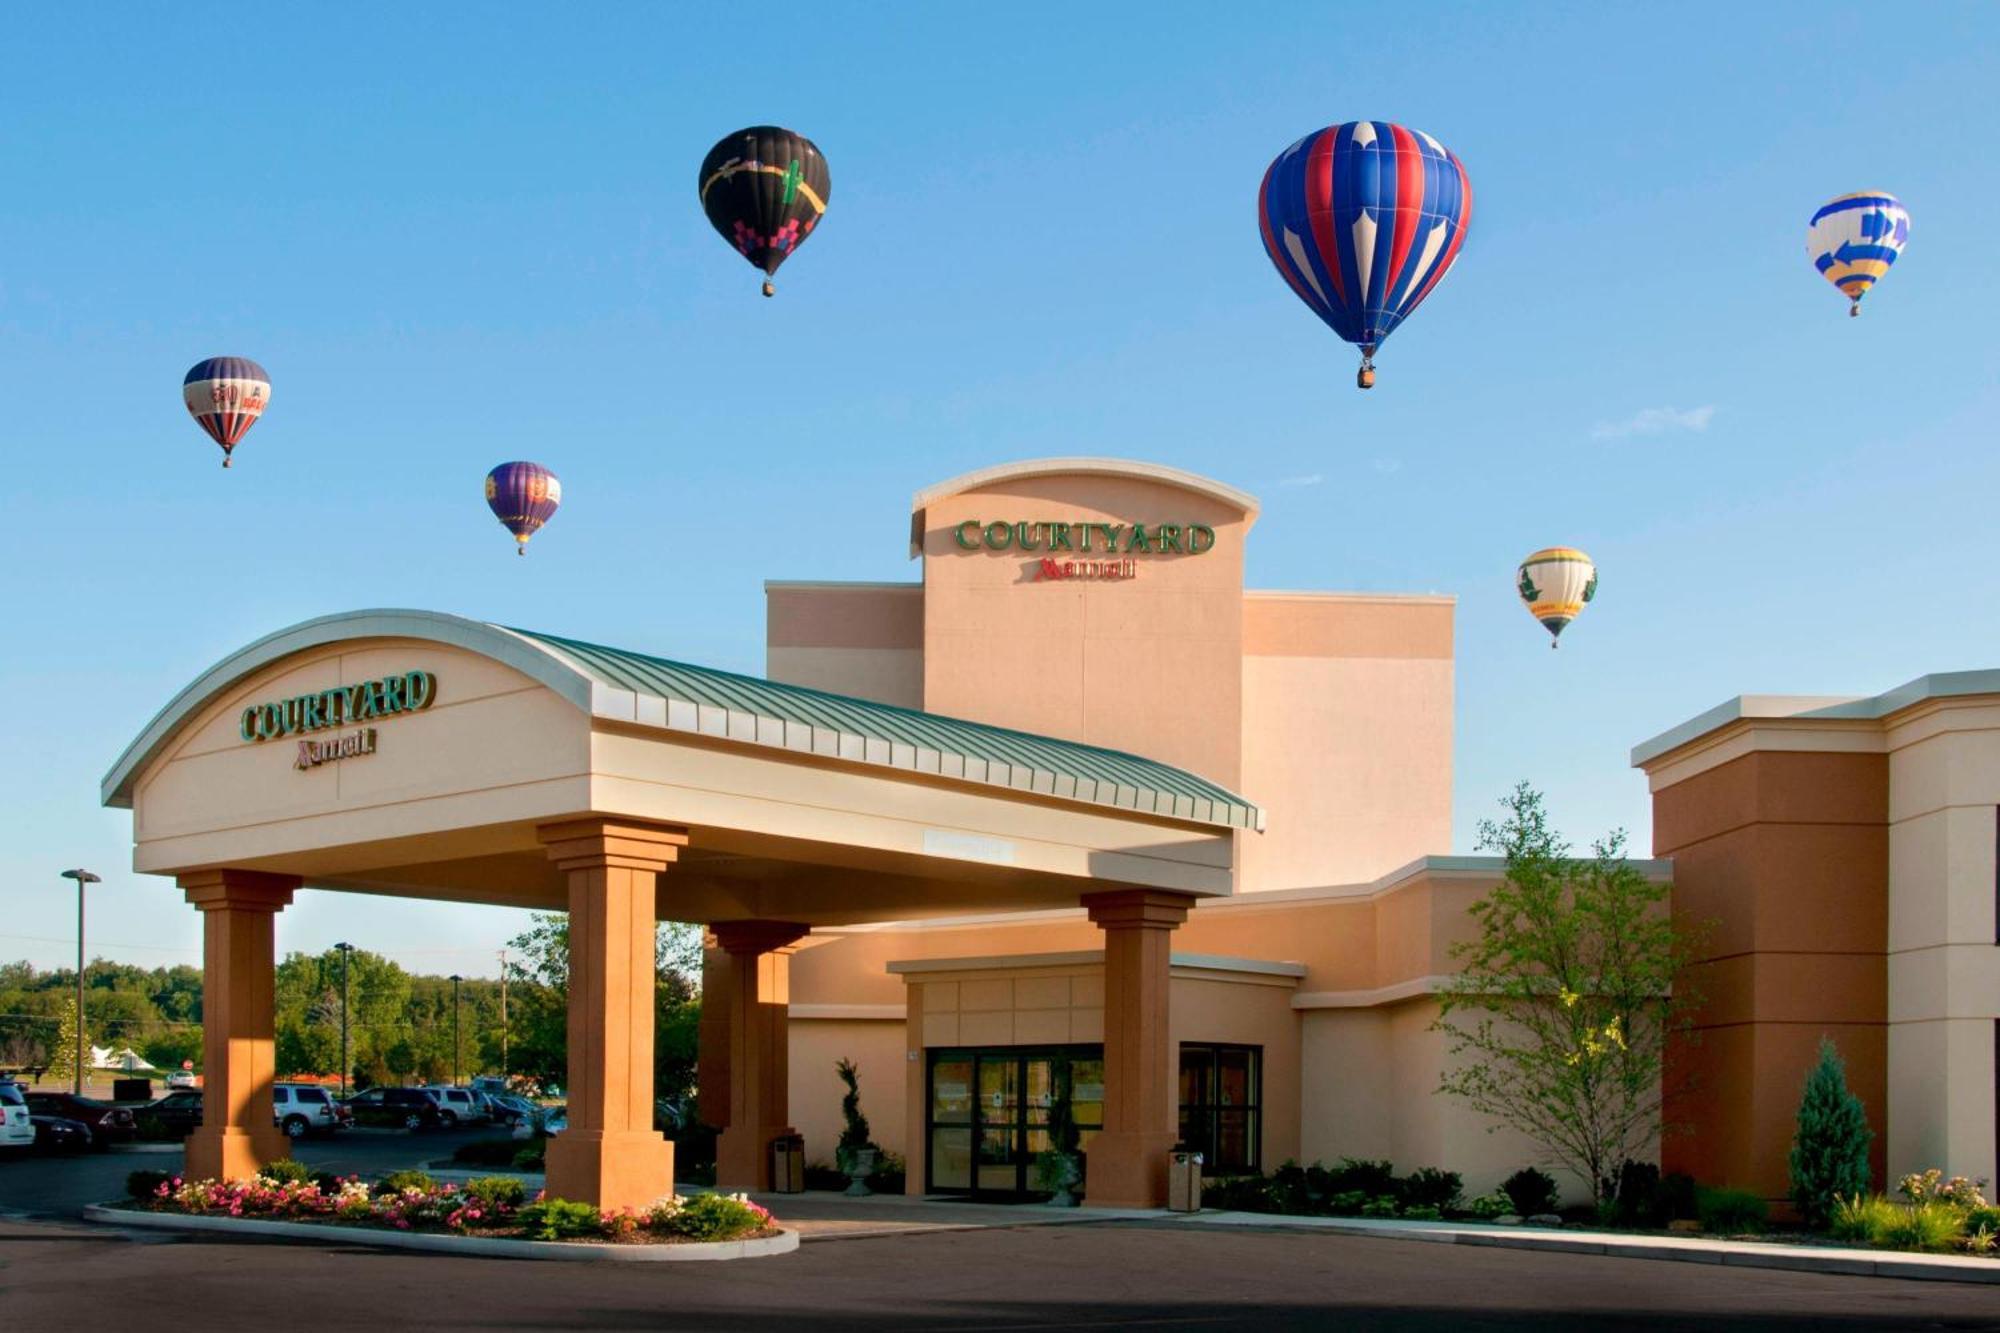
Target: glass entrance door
989, 1115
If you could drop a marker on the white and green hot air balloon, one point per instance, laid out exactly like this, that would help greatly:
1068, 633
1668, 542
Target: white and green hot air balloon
1555, 585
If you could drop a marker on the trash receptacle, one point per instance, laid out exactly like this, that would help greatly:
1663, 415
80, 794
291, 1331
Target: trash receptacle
788, 1164
1184, 1181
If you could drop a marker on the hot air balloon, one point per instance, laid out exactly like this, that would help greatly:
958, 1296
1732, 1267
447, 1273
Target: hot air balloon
523, 496
1555, 585
1363, 220
226, 395
1854, 239
765, 189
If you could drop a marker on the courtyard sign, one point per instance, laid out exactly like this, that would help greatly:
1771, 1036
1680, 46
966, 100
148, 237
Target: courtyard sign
410, 692
1109, 539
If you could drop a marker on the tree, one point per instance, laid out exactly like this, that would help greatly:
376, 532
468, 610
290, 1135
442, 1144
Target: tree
1830, 1151
62, 1059
1557, 1023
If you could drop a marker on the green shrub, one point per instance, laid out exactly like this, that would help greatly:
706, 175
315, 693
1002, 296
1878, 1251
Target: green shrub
1531, 1191
398, 1181
1489, 1206
491, 1192
1240, 1194
708, 1217
1422, 1212
560, 1219
286, 1171
1429, 1187
1986, 1217
485, 1152
1829, 1159
1929, 1227
1347, 1203
1353, 1173
531, 1158
145, 1184
1860, 1217
1730, 1212
1382, 1205
892, 1173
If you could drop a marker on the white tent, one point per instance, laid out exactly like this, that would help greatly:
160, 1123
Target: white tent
129, 1060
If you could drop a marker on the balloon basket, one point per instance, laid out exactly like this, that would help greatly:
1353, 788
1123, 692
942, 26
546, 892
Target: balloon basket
770, 289
1854, 310
1364, 378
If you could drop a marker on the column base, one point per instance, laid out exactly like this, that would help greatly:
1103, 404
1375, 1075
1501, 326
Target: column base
612, 1170
231, 1152
1127, 1170
743, 1156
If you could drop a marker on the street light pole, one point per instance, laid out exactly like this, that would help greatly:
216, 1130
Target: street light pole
82, 877
455, 979
503, 1015
346, 1061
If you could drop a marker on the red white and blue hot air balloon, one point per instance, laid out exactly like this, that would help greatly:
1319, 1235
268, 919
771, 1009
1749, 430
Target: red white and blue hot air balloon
226, 395
1363, 220
523, 496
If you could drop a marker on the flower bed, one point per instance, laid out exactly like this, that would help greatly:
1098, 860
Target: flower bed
492, 1207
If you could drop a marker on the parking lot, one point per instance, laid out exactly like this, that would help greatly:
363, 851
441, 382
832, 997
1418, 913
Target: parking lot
60, 1186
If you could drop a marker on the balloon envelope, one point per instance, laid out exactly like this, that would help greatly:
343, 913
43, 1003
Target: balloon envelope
226, 395
764, 189
1555, 585
1363, 220
523, 496
1854, 239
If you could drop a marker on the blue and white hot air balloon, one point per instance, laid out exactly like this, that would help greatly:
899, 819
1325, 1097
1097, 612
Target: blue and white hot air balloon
1362, 220
1854, 239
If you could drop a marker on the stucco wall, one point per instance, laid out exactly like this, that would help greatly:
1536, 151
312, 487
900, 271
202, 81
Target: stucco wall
876, 1048
859, 639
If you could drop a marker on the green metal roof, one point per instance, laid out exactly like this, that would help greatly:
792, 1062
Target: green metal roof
625, 686
709, 702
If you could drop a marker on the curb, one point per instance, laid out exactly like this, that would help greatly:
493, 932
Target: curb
481, 1247
160, 1149
1734, 1254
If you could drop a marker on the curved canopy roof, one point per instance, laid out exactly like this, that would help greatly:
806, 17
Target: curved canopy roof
625, 686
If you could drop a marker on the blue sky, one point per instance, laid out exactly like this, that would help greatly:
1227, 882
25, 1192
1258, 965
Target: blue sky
457, 236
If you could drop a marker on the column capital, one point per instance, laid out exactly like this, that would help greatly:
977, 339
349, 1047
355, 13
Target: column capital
754, 937
237, 890
1145, 909
580, 844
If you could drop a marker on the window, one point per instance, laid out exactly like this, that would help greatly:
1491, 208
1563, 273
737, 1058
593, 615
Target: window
281, 1095
314, 1096
10, 1095
1222, 1090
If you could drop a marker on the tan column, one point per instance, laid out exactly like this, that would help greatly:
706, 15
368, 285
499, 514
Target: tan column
610, 1154
757, 992
238, 910
1127, 1161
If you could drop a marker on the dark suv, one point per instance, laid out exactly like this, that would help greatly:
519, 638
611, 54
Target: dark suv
107, 1124
411, 1108
179, 1111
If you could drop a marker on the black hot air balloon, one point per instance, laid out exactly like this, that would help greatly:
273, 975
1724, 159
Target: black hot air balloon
765, 189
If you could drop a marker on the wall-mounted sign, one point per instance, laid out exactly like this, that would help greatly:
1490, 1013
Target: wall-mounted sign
314, 753
1105, 539
1088, 569
410, 692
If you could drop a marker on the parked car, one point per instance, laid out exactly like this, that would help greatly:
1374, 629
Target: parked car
179, 1111
17, 1128
410, 1108
181, 1078
108, 1124
301, 1109
543, 1120
55, 1134
456, 1105
509, 1109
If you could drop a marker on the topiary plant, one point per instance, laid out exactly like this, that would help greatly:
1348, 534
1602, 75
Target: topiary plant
1829, 1158
854, 1135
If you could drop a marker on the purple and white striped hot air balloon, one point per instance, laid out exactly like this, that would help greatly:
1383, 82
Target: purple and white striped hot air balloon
523, 496
226, 395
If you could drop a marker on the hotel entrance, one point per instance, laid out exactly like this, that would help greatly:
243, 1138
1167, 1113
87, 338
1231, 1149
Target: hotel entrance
988, 1114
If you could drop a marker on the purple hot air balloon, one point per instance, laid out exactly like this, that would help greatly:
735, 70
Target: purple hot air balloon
226, 395
523, 496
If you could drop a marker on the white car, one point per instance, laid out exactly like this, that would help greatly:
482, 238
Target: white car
181, 1078
17, 1130
301, 1109
456, 1106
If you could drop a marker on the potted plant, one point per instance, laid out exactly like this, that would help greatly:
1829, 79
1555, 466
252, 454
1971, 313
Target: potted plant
1059, 1167
856, 1153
